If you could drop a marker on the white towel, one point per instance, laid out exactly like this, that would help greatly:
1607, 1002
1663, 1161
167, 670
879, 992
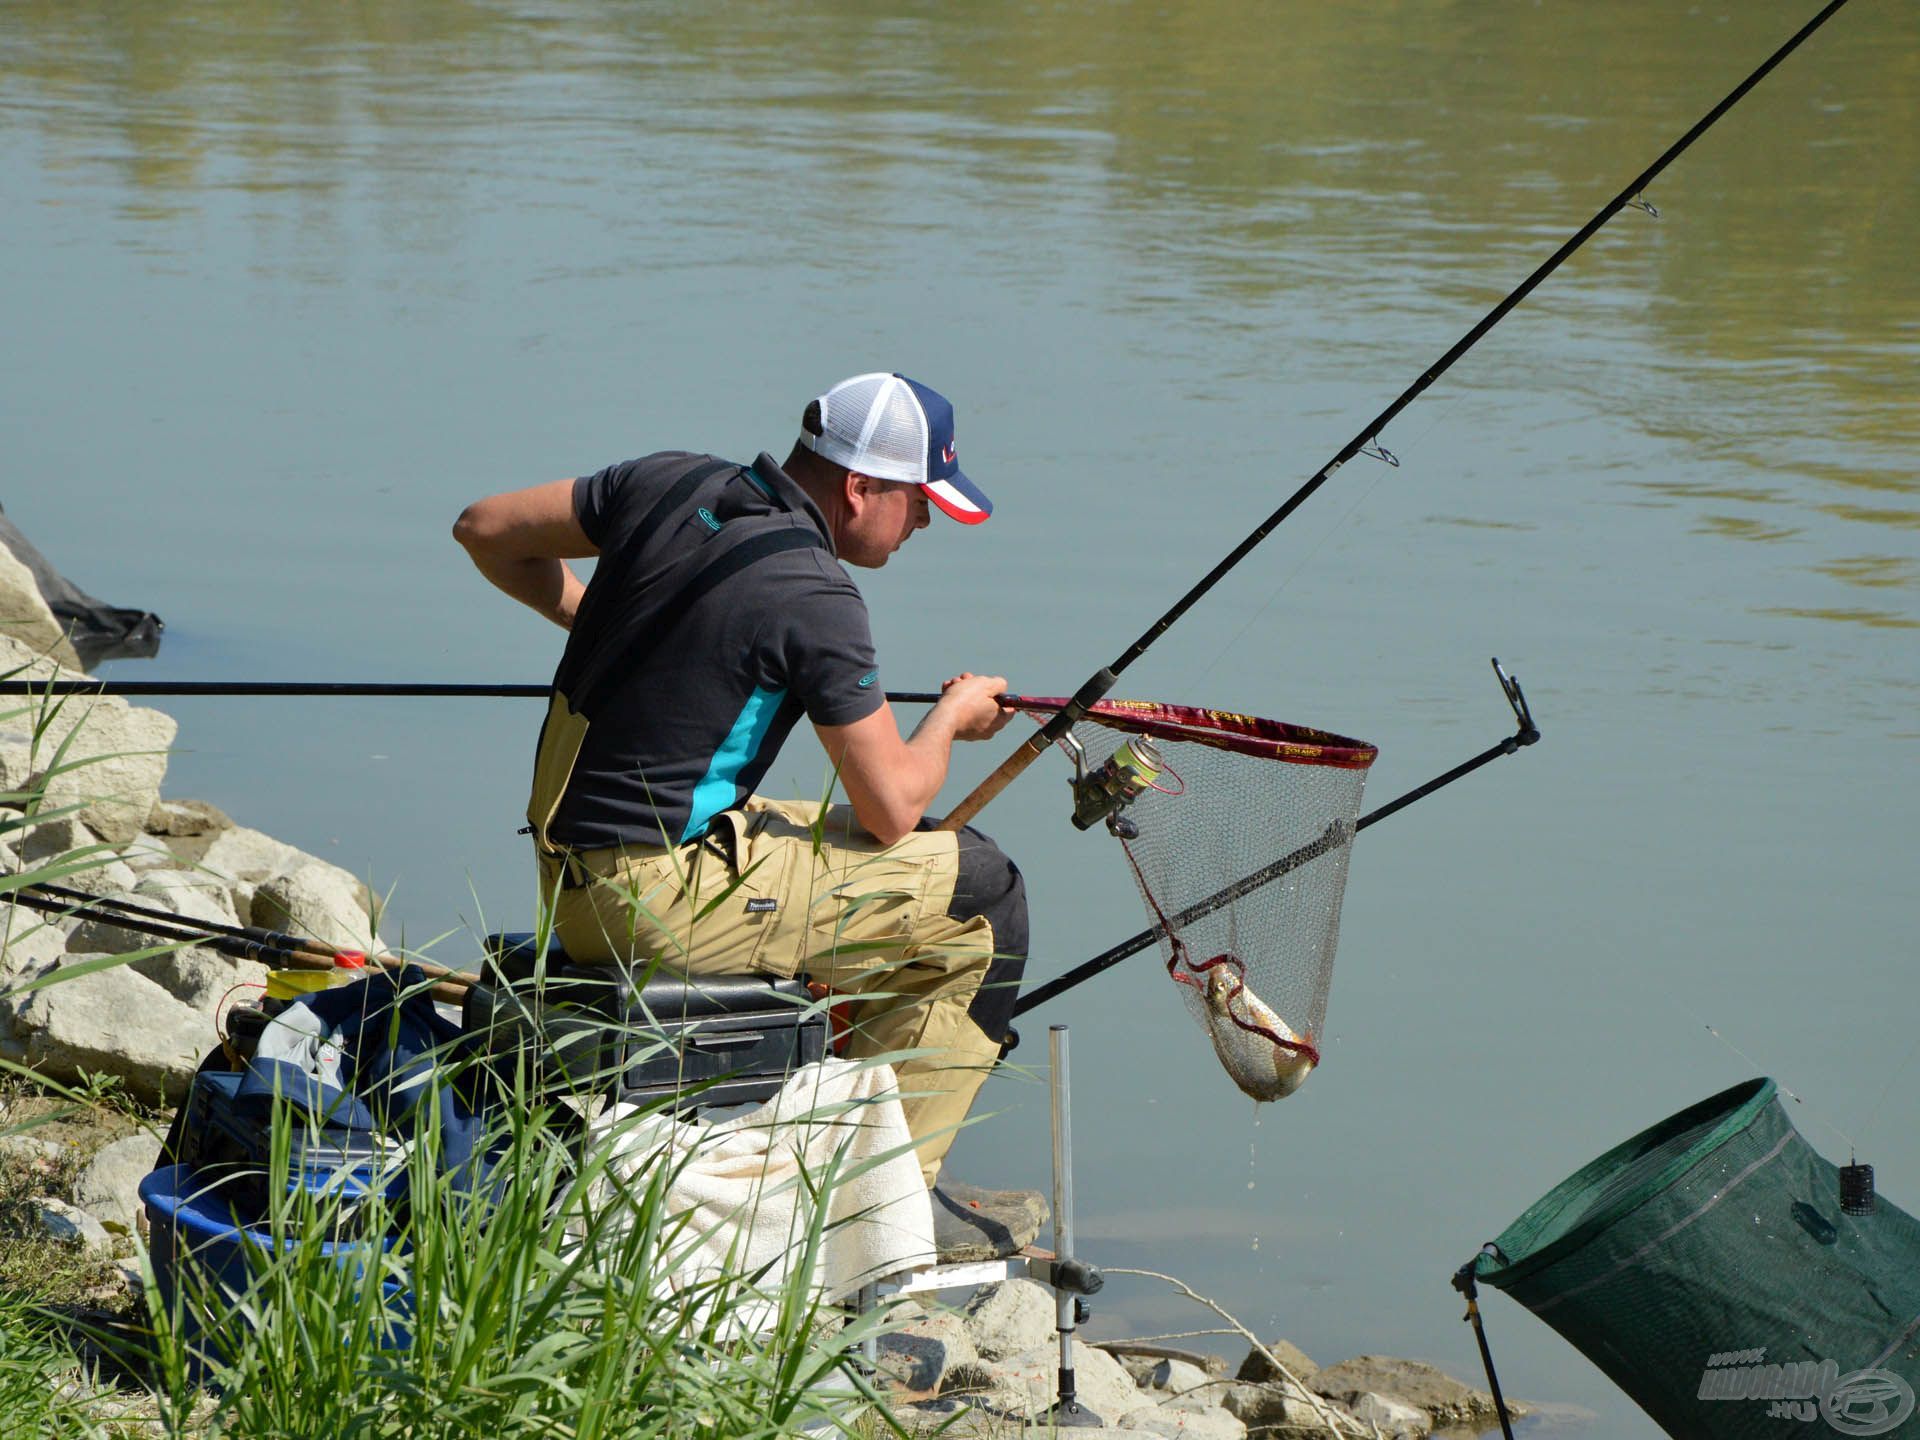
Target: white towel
746, 1188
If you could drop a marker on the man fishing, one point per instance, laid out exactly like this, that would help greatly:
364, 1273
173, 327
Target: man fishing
719, 613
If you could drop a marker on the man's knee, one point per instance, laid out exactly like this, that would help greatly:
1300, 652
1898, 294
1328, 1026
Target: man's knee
990, 885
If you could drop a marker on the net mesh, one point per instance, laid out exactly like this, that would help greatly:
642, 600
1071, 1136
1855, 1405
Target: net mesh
1243, 834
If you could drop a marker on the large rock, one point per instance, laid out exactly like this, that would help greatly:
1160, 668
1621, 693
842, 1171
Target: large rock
115, 1022
1394, 1419
1426, 1387
196, 975
88, 861
25, 616
923, 1350
105, 936
100, 874
197, 896
111, 769
1176, 1377
237, 852
205, 979
1185, 1417
1276, 1407
57, 835
109, 1188
67, 1222
28, 945
1011, 1317
317, 901
146, 853
16, 750
1027, 1384
28, 940
239, 856
1258, 1368
183, 819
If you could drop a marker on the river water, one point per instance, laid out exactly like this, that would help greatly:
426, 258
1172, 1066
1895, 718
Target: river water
287, 285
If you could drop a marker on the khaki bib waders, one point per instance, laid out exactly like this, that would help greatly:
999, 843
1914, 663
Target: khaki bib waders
777, 888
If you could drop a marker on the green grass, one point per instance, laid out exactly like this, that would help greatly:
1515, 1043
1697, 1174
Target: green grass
33, 1265
516, 1312
520, 1311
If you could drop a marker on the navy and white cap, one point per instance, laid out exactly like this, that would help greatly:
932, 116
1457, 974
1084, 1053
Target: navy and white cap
893, 428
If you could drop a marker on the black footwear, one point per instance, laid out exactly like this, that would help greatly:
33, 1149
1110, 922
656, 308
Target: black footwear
974, 1224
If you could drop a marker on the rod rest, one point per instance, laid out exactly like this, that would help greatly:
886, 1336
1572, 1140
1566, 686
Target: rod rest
640, 1032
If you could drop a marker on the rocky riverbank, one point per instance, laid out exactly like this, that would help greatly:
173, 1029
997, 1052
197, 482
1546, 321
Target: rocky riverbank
141, 1027
991, 1366
97, 765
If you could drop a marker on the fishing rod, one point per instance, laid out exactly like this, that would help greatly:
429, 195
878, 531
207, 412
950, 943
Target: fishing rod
244, 942
1367, 441
1335, 835
340, 688
247, 941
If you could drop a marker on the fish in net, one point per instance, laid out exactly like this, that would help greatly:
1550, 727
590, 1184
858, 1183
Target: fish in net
1266, 1059
1237, 831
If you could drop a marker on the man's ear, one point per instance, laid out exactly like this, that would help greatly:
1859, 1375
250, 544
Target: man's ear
859, 489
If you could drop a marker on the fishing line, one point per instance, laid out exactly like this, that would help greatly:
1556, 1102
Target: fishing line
1367, 441
1266, 605
1898, 1071
1306, 559
1757, 1067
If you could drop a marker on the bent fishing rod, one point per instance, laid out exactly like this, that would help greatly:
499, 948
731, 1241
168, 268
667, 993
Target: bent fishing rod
1335, 835
1366, 442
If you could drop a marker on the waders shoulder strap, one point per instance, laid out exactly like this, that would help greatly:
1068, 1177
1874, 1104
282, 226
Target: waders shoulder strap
611, 667
614, 568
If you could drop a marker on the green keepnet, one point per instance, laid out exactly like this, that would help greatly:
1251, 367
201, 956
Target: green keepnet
1706, 1266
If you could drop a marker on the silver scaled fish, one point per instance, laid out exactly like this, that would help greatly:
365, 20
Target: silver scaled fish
1260, 1068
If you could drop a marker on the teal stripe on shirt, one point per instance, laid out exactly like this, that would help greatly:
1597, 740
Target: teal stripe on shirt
719, 787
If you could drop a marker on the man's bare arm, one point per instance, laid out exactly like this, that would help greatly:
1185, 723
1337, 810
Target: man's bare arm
891, 781
522, 540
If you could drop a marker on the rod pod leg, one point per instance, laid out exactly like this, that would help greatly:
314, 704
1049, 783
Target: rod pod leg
1065, 1274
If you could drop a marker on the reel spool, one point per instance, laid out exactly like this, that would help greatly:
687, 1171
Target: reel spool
1128, 773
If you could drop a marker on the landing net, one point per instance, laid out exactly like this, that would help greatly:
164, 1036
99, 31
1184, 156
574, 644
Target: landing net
1242, 832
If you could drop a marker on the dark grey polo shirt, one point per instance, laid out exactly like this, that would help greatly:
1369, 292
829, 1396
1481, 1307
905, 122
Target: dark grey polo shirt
727, 673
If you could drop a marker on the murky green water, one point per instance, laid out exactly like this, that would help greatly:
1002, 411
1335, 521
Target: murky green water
286, 285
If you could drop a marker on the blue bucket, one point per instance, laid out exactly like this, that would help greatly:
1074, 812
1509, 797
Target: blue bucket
195, 1227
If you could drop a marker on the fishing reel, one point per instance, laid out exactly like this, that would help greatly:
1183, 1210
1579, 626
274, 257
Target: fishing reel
1105, 793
